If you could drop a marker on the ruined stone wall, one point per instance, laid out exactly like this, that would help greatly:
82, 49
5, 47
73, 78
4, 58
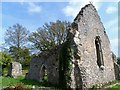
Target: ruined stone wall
50, 62
86, 71
90, 26
116, 67
15, 69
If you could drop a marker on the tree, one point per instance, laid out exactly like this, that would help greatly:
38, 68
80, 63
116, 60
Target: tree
118, 60
49, 35
24, 55
16, 36
5, 60
15, 53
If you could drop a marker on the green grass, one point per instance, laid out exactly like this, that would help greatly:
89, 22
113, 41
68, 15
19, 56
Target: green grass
8, 81
114, 87
20, 81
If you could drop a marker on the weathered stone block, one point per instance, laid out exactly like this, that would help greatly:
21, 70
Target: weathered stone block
15, 69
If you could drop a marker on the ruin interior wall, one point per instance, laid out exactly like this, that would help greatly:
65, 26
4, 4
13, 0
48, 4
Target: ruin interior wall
50, 62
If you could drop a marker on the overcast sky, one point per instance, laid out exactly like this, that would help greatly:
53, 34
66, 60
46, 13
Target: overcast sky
34, 14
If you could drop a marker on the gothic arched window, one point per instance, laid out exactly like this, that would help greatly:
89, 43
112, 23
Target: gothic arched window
99, 53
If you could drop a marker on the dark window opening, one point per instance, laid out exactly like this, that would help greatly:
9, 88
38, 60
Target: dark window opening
99, 53
45, 77
56, 68
36, 66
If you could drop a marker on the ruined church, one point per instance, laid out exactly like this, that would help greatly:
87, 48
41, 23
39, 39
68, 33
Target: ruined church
87, 50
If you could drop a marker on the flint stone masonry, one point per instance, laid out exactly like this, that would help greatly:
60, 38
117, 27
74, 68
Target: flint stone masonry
90, 27
92, 58
48, 61
15, 69
116, 67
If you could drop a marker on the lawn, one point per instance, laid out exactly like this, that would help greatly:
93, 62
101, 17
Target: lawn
20, 81
8, 81
114, 87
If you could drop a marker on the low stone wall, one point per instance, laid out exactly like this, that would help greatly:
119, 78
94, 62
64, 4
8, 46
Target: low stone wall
45, 63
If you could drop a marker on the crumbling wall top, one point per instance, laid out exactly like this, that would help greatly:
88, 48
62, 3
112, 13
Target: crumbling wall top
80, 14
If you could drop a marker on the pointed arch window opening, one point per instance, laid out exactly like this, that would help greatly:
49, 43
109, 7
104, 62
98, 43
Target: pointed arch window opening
44, 74
99, 53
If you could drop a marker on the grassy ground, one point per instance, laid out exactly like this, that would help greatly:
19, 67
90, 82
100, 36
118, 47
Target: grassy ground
8, 81
20, 81
114, 87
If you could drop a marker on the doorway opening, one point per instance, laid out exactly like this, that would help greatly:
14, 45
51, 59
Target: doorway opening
44, 76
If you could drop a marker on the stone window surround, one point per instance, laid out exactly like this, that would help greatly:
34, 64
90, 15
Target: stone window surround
99, 54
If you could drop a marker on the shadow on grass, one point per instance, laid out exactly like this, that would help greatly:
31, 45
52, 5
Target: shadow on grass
30, 82
36, 83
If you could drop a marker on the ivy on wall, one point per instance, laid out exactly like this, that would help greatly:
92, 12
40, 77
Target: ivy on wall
65, 57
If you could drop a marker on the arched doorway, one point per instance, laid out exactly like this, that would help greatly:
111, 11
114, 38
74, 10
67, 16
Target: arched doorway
43, 74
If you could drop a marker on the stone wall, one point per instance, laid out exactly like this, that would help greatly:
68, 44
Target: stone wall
116, 67
83, 43
91, 54
50, 62
15, 69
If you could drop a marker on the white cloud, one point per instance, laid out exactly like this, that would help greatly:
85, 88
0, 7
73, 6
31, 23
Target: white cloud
111, 28
33, 8
74, 6
111, 10
70, 11
112, 24
114, 42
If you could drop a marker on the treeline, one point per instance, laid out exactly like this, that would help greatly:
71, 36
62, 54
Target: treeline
21, 45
